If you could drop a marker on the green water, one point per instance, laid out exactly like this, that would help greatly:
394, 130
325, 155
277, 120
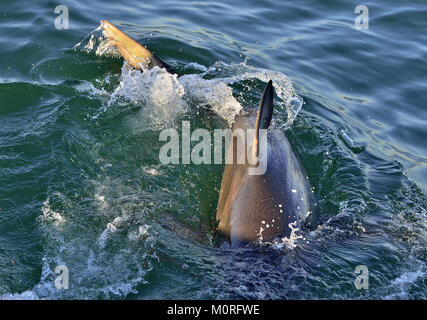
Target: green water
81, 183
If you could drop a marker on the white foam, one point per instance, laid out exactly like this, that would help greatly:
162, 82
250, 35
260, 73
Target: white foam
26, 295
152, 171
51, 216
158, 92
214, 93
285, 242
407, 278
140, 234
285, 92
111, 228
402, 283
97, 43
164, 96
196, 66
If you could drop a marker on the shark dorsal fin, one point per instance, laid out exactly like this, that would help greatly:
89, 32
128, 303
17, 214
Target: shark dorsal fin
265, 112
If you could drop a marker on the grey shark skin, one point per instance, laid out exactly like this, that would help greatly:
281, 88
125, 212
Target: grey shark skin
269, 205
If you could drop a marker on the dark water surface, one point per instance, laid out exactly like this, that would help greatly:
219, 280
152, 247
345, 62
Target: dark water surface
81, 184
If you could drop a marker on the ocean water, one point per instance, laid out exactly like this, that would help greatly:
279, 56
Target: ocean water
81, 184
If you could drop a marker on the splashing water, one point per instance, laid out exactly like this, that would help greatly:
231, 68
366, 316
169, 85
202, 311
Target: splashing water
158, 91
285, 92
285, 242
126, 240
96, 42
166, 96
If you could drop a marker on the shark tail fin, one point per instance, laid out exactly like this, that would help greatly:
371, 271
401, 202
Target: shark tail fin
264, 115
134, 53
